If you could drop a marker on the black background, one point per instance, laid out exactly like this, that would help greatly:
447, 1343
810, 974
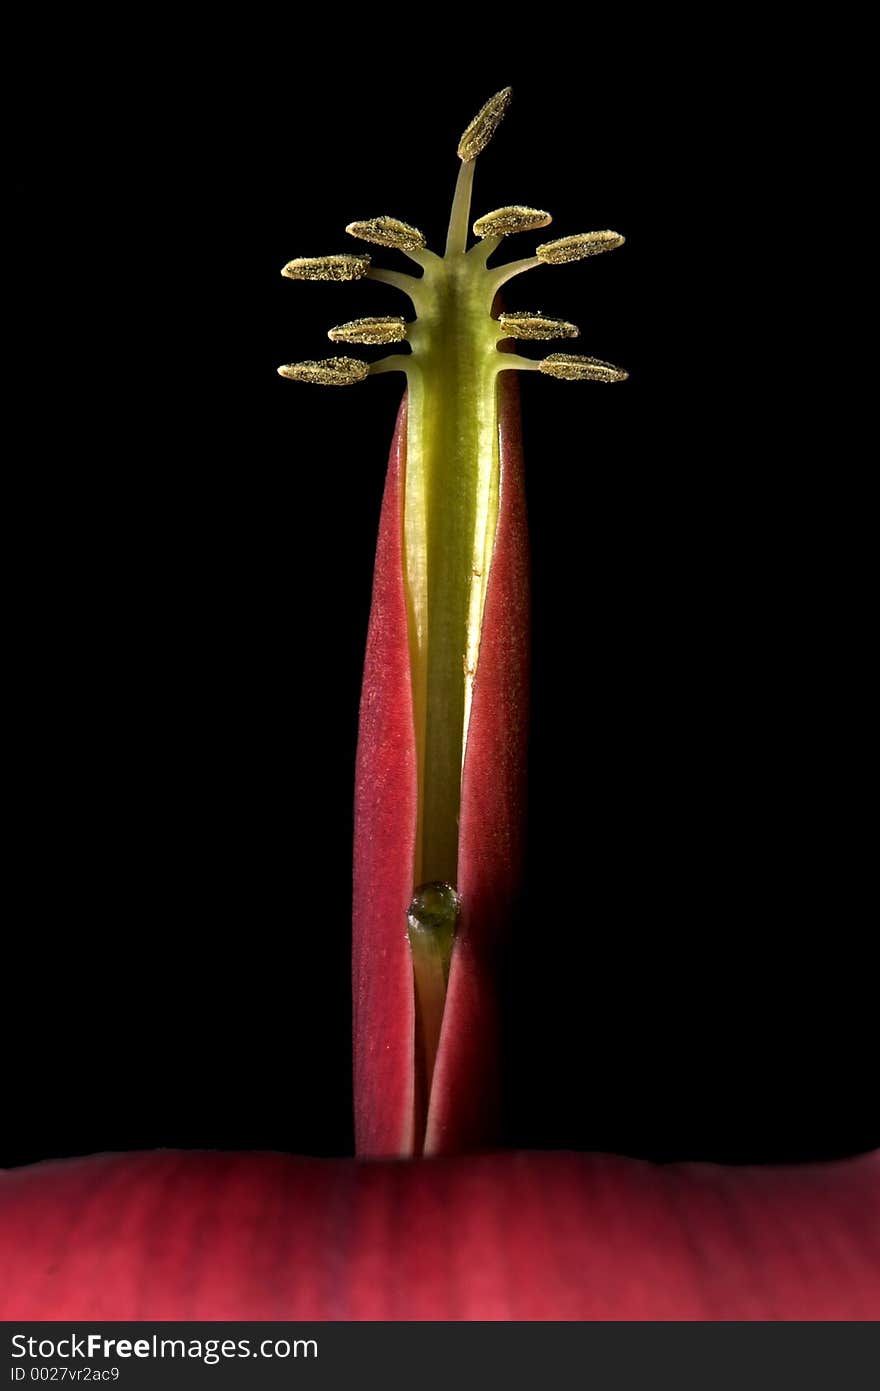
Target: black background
194, 541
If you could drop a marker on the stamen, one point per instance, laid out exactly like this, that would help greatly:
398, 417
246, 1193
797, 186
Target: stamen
581, 369
503, 222
327, 268
409, 284
575, 248
460, 212
484, 125
370, 330
330, 371
397, 362
387, 231
501, 274
523, 324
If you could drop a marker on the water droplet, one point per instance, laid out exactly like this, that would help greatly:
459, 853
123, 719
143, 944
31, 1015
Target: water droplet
433, 909
432, 917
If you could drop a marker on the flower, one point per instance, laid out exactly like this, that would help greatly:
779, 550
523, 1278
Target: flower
440, 789
440, 795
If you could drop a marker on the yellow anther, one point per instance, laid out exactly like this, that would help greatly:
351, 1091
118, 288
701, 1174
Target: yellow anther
327, 268
484, 125
577, 247
503, 222
331, 371
387, 231
371, 330
581, 369
523, 324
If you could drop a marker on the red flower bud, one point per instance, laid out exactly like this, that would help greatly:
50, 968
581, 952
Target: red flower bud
464, 1096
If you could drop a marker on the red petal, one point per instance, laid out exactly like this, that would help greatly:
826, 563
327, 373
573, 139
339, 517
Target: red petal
465, 1096
384, 847
496, 1236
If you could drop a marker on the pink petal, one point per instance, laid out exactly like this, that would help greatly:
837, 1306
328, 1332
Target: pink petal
465, 1097
495, 1236
384, 846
